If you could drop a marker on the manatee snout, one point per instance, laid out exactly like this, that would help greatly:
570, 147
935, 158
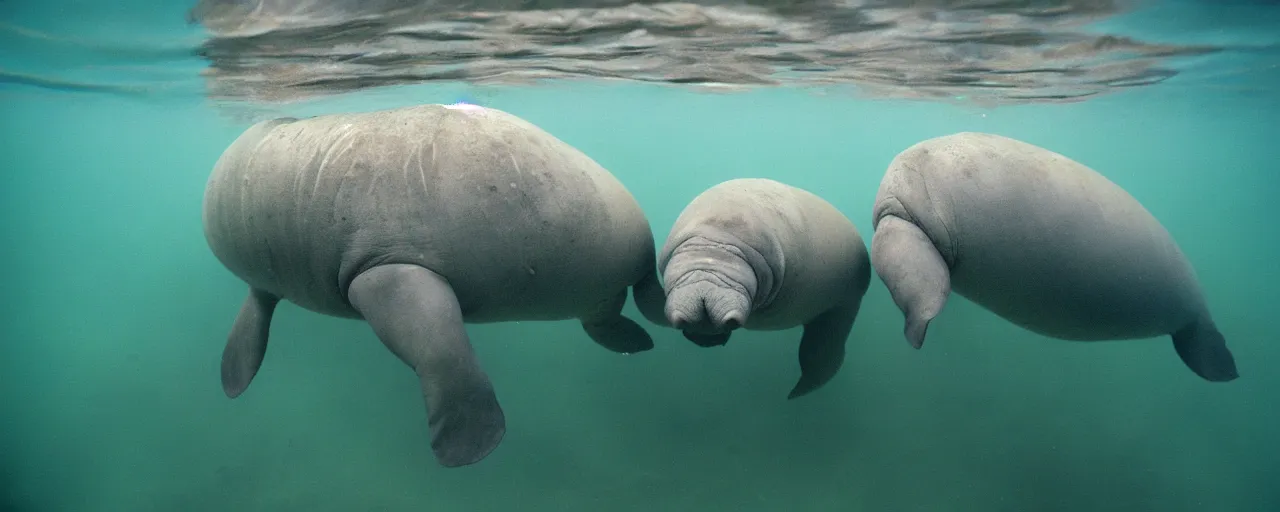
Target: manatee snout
707, 312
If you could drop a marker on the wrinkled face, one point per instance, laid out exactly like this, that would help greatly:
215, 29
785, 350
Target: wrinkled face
709, 292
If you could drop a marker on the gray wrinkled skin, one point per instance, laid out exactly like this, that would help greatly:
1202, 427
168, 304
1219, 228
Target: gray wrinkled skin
1040, 240
522, 225
419, 220
762, 255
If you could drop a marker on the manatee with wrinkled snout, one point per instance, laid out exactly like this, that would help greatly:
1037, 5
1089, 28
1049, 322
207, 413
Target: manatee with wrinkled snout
418, 220
762, 255
1041, 241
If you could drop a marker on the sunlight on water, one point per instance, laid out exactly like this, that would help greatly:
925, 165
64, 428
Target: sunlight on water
987, 52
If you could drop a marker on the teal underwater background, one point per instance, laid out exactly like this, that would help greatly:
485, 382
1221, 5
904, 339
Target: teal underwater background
115, 314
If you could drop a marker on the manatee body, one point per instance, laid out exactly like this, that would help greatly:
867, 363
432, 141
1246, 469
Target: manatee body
1040, 240
418, 220
762, 255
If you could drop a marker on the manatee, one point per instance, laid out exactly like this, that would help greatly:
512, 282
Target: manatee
419, 220
761, 255
1040, 240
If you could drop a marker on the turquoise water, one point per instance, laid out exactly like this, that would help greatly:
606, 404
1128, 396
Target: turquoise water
116, 314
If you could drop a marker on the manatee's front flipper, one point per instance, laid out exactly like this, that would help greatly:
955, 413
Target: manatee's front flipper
247, 344
607, 327
1204, 350
651, 299
822, 347
917, 277
416, 315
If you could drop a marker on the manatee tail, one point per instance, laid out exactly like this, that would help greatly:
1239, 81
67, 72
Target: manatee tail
914, 271
247, 344
1204, 350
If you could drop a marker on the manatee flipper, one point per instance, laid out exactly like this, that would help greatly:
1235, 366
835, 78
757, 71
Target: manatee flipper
247, 343
608, 328
1204, 350
822, 347
416, 315
913, 270
651, 299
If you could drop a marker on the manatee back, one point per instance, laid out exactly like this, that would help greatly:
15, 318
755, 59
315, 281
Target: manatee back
826, 262
1039, 238
519, 222
755, 210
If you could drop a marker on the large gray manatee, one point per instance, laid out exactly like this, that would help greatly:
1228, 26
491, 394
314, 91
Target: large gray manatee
418, 220
762, 255
1041, 241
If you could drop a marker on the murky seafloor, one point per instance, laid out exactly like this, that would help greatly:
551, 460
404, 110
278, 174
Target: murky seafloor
116, 312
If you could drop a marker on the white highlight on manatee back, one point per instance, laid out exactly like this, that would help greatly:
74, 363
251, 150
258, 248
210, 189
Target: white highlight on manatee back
463, 106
